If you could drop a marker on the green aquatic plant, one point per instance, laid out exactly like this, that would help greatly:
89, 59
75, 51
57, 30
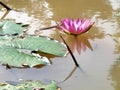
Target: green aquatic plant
28, 85
41, 44
21, 51
10, 27
16, 58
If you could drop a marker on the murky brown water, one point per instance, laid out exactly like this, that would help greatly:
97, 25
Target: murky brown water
97, 52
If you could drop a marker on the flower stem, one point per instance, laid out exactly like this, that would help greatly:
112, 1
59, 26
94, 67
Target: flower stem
73, 57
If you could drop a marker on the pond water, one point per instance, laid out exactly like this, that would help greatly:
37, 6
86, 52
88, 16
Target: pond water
97, 51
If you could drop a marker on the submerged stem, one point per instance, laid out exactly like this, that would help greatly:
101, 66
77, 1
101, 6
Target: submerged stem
70, 74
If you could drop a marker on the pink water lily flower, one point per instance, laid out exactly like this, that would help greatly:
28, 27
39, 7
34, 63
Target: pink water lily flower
75, 26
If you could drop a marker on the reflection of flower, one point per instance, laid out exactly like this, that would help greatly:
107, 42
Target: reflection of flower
79, 43
77, 26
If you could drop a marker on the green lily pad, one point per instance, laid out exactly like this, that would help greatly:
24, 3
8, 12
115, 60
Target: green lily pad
10, 27
5, 39
14, 57
41, 44
13, 48
17, 51
28, 85
2, 23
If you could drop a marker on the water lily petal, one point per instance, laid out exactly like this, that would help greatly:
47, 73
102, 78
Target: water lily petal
65, 20
85, 25
71, 29
65, 23
76, 26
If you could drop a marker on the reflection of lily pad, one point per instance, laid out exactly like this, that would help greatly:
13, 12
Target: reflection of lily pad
14, 57
10, 27
42, 44
28, 85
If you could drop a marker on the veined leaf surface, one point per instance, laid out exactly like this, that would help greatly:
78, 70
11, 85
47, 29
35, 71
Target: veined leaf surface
10, 27
13, 57
41, 44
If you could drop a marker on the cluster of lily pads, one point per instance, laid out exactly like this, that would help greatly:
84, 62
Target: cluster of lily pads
18, 49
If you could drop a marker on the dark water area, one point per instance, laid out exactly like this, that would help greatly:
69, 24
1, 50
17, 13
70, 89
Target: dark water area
97, 51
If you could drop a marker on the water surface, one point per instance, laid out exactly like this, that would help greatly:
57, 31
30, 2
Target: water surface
97, 51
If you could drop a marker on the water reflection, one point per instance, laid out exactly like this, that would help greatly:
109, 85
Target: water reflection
70, 74
115, 75
116, 37
36, 8
79, 43
102, 12
115, 69
36, 13
115, 4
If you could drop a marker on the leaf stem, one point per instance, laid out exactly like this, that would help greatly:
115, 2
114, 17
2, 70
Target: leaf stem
5, 6
48, 27
8, 10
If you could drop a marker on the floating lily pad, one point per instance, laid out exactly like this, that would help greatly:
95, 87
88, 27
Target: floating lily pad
28, 85
41, 44
14, 57
10, 27
2, 23
5, 39
12, 47
14, 51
